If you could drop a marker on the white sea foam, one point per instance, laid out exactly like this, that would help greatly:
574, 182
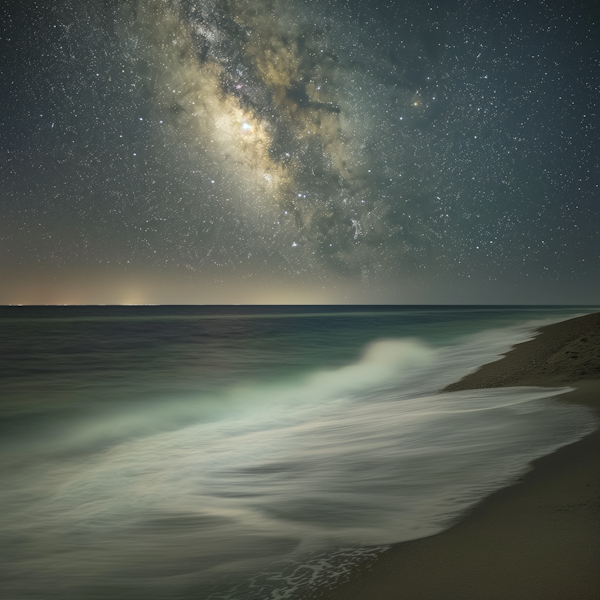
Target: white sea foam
310, 477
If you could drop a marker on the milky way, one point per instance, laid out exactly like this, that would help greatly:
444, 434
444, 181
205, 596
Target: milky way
422, 152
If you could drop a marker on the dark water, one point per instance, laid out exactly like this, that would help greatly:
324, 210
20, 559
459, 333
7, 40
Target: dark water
248, 452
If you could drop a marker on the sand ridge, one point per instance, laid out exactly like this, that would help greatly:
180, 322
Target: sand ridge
560, 354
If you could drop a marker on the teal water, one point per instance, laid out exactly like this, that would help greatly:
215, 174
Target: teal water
249, 452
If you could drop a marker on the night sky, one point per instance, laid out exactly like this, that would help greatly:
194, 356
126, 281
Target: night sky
278, 151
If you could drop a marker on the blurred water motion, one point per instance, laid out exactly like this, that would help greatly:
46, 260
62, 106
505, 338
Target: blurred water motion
155, 452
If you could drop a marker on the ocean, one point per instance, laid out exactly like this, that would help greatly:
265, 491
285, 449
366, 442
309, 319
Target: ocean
250, 452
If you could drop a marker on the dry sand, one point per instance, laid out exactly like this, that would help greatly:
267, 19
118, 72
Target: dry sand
538, 539
561, 354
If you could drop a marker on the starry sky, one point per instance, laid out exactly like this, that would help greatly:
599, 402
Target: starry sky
305, 151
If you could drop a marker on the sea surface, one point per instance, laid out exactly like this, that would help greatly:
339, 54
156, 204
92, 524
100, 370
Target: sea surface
249, 453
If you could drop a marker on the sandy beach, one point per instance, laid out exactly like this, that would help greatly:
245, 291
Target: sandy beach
537, 539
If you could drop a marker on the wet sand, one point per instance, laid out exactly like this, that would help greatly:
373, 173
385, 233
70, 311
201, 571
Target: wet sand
538, 539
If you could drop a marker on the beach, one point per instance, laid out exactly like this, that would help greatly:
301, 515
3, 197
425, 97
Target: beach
538, 538
254, 453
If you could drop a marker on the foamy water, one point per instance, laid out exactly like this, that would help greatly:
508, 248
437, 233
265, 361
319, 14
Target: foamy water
285, 487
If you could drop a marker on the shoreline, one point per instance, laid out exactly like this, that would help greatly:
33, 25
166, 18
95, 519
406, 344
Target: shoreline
536, 538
